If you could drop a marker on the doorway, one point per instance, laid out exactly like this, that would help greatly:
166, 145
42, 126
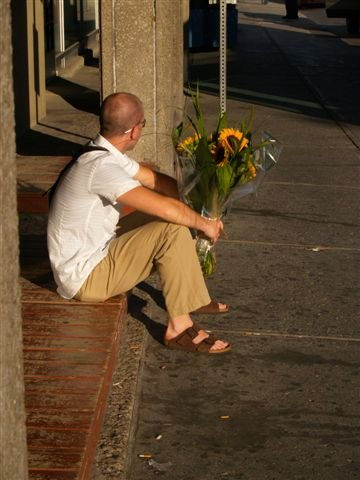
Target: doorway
58, 75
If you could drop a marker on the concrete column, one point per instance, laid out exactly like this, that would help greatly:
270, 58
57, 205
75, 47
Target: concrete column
13, 457
142, 53
107, 48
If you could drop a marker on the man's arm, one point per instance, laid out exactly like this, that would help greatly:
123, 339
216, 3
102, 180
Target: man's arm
159, 182
171, 210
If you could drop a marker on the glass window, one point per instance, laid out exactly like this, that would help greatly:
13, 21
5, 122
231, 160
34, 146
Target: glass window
88, 16
79, 19
72, 20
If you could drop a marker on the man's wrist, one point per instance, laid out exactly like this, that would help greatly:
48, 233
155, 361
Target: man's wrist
203, 223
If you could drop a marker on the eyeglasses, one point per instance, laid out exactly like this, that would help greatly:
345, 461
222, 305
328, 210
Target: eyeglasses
142, 123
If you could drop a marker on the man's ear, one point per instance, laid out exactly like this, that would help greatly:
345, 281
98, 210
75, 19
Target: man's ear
135, 133
132, 134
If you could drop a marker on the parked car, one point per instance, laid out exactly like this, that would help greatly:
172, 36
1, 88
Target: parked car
349, 9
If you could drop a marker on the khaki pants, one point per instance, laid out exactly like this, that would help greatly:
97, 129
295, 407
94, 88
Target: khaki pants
143, 243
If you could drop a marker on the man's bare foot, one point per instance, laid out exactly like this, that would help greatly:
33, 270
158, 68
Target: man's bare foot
181, 323
218, 345
212, 308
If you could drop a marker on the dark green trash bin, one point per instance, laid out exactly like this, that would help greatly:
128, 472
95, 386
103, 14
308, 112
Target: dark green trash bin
204, 27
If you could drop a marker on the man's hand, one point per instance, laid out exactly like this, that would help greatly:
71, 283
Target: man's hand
213, 229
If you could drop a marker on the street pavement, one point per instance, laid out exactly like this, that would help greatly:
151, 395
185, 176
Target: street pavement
285, 403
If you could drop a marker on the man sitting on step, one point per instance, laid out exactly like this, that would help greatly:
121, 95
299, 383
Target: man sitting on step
95, 257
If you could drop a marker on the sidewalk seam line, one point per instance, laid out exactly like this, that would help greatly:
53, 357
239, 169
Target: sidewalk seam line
295, 184
249, 333
292, 245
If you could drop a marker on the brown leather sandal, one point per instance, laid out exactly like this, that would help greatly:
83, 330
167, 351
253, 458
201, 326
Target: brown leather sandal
184, 342
211, 308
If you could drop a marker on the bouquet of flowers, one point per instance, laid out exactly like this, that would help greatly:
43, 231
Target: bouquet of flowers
213, 169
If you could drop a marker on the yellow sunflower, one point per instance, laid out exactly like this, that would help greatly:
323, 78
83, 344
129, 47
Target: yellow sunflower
232, 140
221, 156
189, 143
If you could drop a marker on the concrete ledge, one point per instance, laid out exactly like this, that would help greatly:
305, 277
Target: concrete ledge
70, 351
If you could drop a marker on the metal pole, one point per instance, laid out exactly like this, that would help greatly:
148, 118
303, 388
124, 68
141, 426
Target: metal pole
222, 56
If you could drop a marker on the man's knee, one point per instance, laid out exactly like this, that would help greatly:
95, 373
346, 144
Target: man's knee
179, 233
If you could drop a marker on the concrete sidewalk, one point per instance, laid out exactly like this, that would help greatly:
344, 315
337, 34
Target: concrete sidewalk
284, 404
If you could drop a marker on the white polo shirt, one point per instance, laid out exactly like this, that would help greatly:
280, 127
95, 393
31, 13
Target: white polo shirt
84, 213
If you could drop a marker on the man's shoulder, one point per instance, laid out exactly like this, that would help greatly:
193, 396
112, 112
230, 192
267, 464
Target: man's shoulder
119, 162
94, 154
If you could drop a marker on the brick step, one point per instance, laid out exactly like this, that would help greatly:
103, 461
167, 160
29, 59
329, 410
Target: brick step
35, 175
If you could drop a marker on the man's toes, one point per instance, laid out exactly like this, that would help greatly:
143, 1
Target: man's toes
200, 337
219, 345
222, 307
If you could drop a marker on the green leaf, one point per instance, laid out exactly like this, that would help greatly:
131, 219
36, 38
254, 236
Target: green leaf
250, 122
200, 195
176, 133
199, 117
204, 159
224, 177
222, 123
193, 125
